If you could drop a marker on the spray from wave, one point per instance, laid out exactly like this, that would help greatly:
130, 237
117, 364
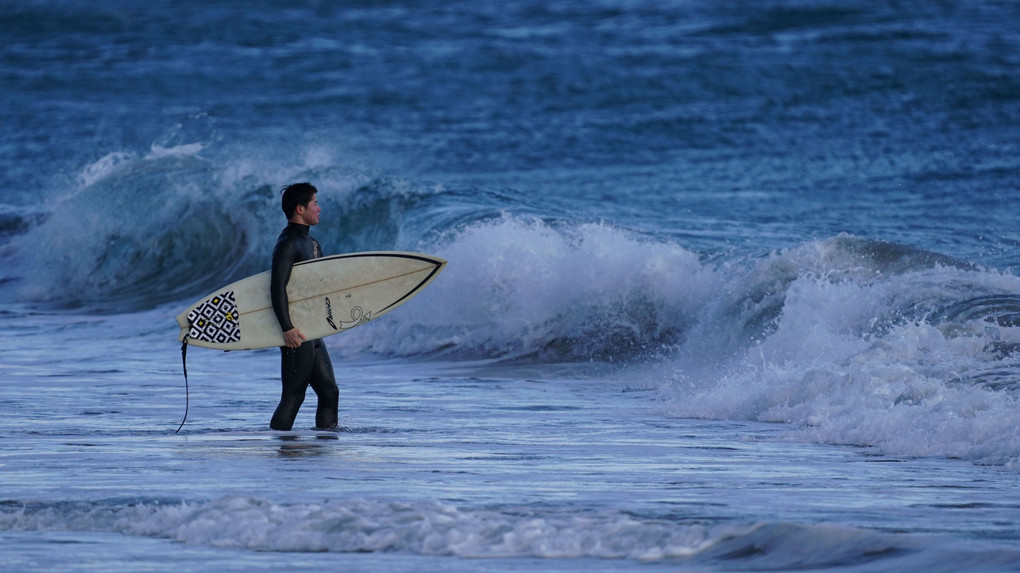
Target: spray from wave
520, 288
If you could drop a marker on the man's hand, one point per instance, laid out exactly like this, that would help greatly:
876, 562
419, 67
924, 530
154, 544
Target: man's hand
294, 337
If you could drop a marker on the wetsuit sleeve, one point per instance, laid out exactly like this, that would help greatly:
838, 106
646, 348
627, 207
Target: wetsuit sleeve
284, 256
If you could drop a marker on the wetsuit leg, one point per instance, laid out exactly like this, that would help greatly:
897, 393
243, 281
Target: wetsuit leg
324, 384
299, 367
295, 369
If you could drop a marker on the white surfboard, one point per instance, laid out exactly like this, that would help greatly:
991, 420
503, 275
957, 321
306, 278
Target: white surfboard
327, 295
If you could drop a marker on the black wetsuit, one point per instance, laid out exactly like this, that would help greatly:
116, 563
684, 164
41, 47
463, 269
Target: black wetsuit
309, 364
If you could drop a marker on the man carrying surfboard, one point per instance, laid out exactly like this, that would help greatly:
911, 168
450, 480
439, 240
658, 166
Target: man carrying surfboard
303, 362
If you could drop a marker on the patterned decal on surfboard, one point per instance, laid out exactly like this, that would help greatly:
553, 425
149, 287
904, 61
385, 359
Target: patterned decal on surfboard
215, 320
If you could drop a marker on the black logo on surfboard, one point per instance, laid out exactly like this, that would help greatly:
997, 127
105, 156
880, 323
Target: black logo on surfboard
329, 314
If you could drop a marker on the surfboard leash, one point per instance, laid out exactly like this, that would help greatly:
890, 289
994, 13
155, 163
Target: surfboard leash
187, 392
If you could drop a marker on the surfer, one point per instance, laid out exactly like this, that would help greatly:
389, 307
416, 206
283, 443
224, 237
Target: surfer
303, 362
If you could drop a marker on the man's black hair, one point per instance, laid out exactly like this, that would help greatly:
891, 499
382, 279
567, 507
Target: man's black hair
296, 194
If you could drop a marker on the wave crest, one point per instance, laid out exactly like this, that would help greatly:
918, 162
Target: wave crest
139, 231
521, 288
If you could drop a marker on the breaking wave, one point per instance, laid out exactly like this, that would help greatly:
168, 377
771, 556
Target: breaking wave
437, 529
851, 340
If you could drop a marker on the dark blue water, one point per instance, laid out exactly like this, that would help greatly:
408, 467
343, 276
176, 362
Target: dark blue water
784, 230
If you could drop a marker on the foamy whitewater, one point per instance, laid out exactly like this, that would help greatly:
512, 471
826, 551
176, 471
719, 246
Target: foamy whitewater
731, 286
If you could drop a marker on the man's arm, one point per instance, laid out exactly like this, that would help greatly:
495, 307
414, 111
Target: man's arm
283, 263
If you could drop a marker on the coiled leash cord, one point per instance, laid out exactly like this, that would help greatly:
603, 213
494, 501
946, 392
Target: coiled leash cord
187, 396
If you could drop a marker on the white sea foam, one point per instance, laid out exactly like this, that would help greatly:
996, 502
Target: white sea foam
428, 528
436, 529
103, 167
858, 356
186, 149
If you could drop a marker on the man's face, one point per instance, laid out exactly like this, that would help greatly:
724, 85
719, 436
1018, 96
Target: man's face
309, 213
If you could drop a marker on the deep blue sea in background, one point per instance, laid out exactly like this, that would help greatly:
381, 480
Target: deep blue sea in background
732, 285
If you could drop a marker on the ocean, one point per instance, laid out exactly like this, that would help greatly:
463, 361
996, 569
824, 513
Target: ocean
732, 285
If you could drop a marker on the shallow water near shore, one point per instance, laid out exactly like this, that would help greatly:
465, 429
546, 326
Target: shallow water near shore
456, 466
